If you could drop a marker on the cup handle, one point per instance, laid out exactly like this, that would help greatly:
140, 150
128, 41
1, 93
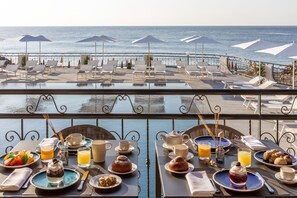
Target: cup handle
83, 138
186, 138
68, 137
110, 145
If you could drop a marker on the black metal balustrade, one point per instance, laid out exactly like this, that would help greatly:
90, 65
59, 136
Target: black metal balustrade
182, 113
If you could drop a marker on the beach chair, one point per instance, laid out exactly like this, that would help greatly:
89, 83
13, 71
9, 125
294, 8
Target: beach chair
213, 71
160, 70
274, 106
155, 62
253, 82
30, 64
2, 64
248, 99
37, 70
10, 69
138, 62
107, 70
181, 65
94, 63
85, 70
192, 70
139, 69
51, 64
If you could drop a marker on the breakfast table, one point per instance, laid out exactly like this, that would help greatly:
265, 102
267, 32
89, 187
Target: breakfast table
175, 185
128, 187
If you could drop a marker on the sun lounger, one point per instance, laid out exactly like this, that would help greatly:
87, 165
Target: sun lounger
266, 85
213, 71
139, 69
107, 69
274, 106
253, 82
155, 62
248, 99
51, 64
9, 69
30, 64
160, 70
37, 70
181, 65
192, 70
2, 64
85, 70
138, 62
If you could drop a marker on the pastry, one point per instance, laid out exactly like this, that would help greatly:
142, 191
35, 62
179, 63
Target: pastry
178, 164
121, 164
107, 181
277, 157
280, 161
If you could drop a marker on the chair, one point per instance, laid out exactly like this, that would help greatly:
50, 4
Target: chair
274, 106
139, 69
181, 65
138, 62
248, 99
51, 64
89, 131
85, 70
107, 69
192, 70
94, 63
2, 64
200, 130
253, 82
38, 69
10, 69
213, 71
266, 85
160, 70
155, 62
30, 64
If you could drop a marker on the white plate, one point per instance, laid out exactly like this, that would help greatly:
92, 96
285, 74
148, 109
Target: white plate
134, 168
167, 147
131, 148
277, 176
190, 155
36, 158
191, 168
95, 180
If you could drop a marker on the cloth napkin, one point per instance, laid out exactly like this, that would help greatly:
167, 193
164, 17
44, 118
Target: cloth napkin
16, 179
53, 141
253, 143
200, 184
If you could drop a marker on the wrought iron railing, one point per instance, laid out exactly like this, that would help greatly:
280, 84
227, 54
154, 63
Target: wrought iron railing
286, 139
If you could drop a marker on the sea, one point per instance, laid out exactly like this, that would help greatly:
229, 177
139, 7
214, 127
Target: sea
64, 39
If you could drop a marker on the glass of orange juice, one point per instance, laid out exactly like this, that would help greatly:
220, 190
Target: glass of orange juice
204, 150
47, 152
245, 156
84, 157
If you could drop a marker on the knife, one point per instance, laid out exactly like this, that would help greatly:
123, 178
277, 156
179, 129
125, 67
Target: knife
217, 191
83, 179
269, 188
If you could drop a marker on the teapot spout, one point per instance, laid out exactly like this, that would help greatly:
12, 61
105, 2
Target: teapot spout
163, 137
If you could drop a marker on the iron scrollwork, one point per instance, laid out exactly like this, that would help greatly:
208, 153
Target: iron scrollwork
159, 133
11, 135
184, 109
46, 97
286, 110
136, 109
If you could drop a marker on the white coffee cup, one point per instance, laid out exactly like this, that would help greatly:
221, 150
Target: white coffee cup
181, 150
124, 145
99, 148
287, 173
75, 139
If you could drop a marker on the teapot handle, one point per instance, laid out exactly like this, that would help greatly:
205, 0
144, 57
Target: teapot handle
186, 138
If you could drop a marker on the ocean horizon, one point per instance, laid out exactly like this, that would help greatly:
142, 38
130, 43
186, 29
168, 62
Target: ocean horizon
64, 39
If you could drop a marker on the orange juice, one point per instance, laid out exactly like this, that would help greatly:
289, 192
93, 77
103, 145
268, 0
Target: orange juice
245, 157
204, 150
84, 157
47, 152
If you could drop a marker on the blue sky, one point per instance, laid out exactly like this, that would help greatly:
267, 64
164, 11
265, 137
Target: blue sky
147, 12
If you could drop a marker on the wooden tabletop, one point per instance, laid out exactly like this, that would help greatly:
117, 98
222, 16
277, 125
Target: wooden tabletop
128, 187
173, 185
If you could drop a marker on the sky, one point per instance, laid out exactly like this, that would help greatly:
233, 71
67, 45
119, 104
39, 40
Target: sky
147, 12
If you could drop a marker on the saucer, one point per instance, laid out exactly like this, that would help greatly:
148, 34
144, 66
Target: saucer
191, 168
190, 155
131, 148
82, 143
277, 176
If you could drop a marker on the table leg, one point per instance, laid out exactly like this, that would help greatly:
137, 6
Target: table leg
157, 176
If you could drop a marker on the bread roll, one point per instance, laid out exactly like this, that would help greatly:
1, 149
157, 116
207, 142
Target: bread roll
121, 164
178, 164
280, 161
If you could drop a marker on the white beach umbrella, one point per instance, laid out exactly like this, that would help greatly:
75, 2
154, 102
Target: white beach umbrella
199, 39
287, 50
27, 38
255, 45
96, 39
147, 39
